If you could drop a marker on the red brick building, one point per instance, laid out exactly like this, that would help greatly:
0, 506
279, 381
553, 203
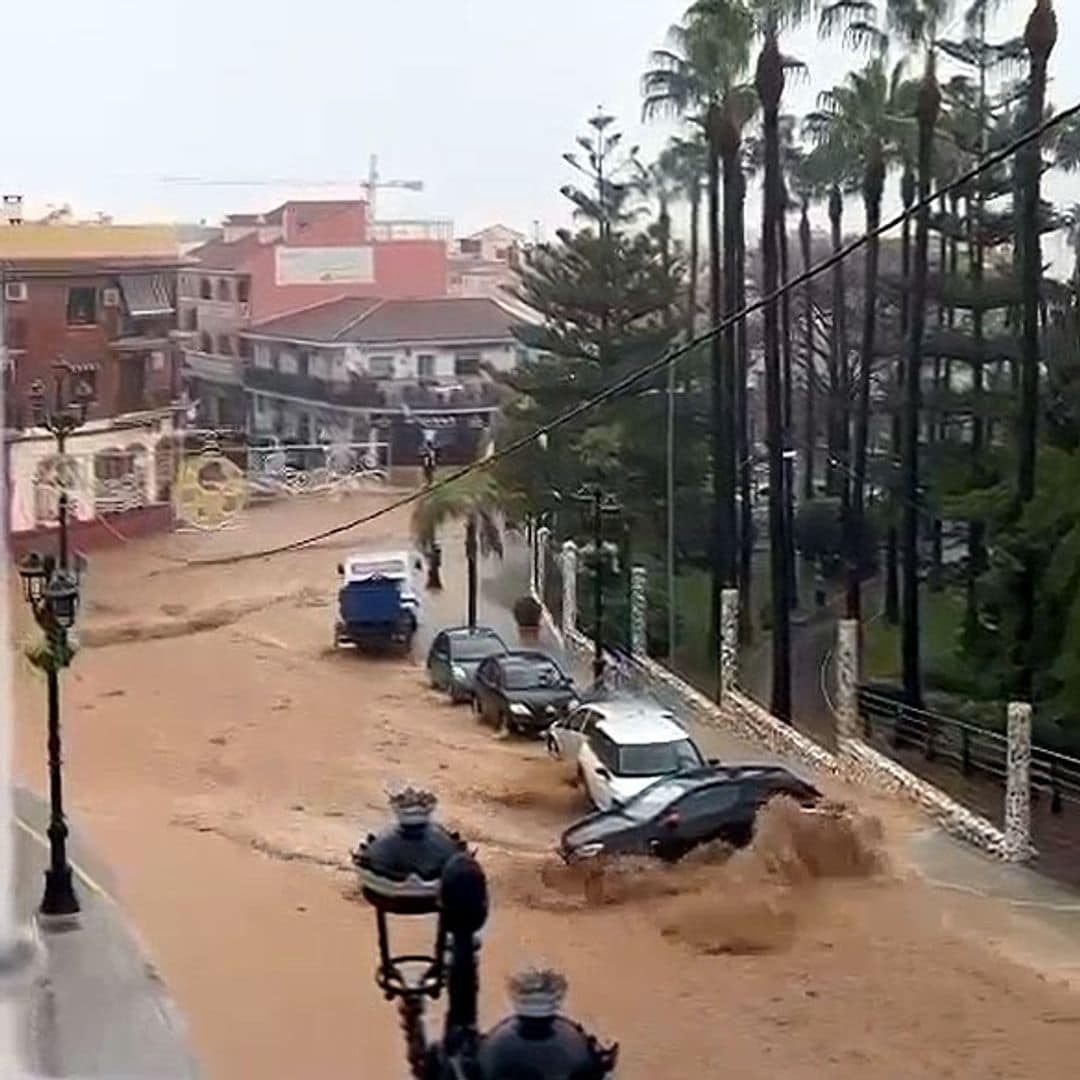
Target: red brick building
103, 296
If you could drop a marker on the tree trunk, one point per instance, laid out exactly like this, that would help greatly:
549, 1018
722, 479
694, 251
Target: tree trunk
837, 480
470, 565
770, 83
745, 440
717, 386
809, 362
892, 562
1040, 37
789, 402
873, 184
929, 104
731, 171
694, 256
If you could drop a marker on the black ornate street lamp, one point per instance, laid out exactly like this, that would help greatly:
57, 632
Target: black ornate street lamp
417, 868
603, 504
51, 588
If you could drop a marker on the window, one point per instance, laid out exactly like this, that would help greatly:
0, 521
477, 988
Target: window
243, 348
224, 289
303, 363
714, 799
381, 367
529, 675
606, 751
476, 647
225, 345
82, 305
191, 319
425, 366
243, 290
502, 254
467, 363
206, 343
16, 333
206, 289
470, 247
655, 759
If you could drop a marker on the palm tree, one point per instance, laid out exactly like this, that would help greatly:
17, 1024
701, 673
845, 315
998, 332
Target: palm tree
698, 76
474, 499
1040, 38
771, 15
688, 163
859, 118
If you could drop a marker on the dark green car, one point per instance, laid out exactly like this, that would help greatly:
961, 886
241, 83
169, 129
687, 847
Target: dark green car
455, 655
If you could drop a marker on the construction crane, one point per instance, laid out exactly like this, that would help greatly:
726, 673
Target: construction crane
369, 187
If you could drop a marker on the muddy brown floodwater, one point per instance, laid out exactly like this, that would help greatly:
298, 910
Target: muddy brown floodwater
224, 761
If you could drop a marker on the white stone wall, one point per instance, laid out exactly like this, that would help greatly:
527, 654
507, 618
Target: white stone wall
854, 762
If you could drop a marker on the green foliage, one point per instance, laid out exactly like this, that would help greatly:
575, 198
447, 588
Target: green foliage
476, 496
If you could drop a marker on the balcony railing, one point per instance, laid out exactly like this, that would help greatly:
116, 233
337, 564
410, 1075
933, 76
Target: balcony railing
369, 393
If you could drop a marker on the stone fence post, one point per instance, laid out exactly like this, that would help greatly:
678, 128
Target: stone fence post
639, 611
569, 587
729, 642
1018, 784
539, 578
847, 680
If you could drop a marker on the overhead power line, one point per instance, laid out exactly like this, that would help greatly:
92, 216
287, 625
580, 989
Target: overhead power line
640, 374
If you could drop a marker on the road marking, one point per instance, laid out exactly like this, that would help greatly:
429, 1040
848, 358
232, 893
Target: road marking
80, 873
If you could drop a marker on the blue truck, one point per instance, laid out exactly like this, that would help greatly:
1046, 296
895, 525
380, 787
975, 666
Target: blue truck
379, 600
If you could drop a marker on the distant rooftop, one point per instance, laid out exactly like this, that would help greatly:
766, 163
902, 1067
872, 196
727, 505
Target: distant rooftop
354, 319
226, 254
65, 243
316, 207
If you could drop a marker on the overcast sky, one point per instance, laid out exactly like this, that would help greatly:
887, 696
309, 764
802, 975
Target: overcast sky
477, 98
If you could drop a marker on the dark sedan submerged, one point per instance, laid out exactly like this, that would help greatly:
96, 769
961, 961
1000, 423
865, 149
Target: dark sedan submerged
676, 814
522, 691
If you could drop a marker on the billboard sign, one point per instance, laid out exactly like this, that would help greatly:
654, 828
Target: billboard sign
325, 265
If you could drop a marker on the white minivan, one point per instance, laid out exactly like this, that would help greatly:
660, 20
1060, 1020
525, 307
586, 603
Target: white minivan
621, 747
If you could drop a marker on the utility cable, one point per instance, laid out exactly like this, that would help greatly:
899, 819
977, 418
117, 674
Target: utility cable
631, 379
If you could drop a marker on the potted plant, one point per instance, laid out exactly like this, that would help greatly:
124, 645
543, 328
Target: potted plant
527, 613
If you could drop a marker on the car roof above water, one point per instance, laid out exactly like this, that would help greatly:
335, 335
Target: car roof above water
633, 721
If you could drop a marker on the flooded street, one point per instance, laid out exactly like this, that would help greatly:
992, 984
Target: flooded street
224, 760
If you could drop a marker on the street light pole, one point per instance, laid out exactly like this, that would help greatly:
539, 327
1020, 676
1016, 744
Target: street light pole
602, 503
416, 868
53, 593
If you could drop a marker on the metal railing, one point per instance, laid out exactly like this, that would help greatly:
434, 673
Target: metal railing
968, 748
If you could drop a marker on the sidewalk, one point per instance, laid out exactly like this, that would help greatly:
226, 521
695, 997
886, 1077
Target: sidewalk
99, 1009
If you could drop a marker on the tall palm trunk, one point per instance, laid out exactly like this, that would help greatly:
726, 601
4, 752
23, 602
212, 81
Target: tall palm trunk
935, 425
717, 382
838, 353
873, 185
770, 85
892, 562
694, 255
929, 104
729, 156
745, 434
808, 347
664, 223
1040, 38
789, 401
470, 565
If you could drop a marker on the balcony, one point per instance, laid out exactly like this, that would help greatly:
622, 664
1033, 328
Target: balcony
214, 368
361, 393
372, 394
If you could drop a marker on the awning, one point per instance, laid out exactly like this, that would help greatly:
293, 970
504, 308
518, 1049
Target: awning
146, 294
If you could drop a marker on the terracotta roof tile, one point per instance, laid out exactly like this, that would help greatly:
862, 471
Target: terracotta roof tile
225, 255
359, 320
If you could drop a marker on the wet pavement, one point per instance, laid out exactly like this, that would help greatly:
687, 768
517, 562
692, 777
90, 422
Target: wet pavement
98, 1009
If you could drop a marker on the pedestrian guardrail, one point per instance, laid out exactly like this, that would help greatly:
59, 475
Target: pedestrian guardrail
969, 748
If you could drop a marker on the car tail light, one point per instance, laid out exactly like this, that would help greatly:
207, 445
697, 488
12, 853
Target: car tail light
671, 820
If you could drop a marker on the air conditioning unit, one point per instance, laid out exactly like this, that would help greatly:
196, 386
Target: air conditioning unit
14, 291
110, 297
